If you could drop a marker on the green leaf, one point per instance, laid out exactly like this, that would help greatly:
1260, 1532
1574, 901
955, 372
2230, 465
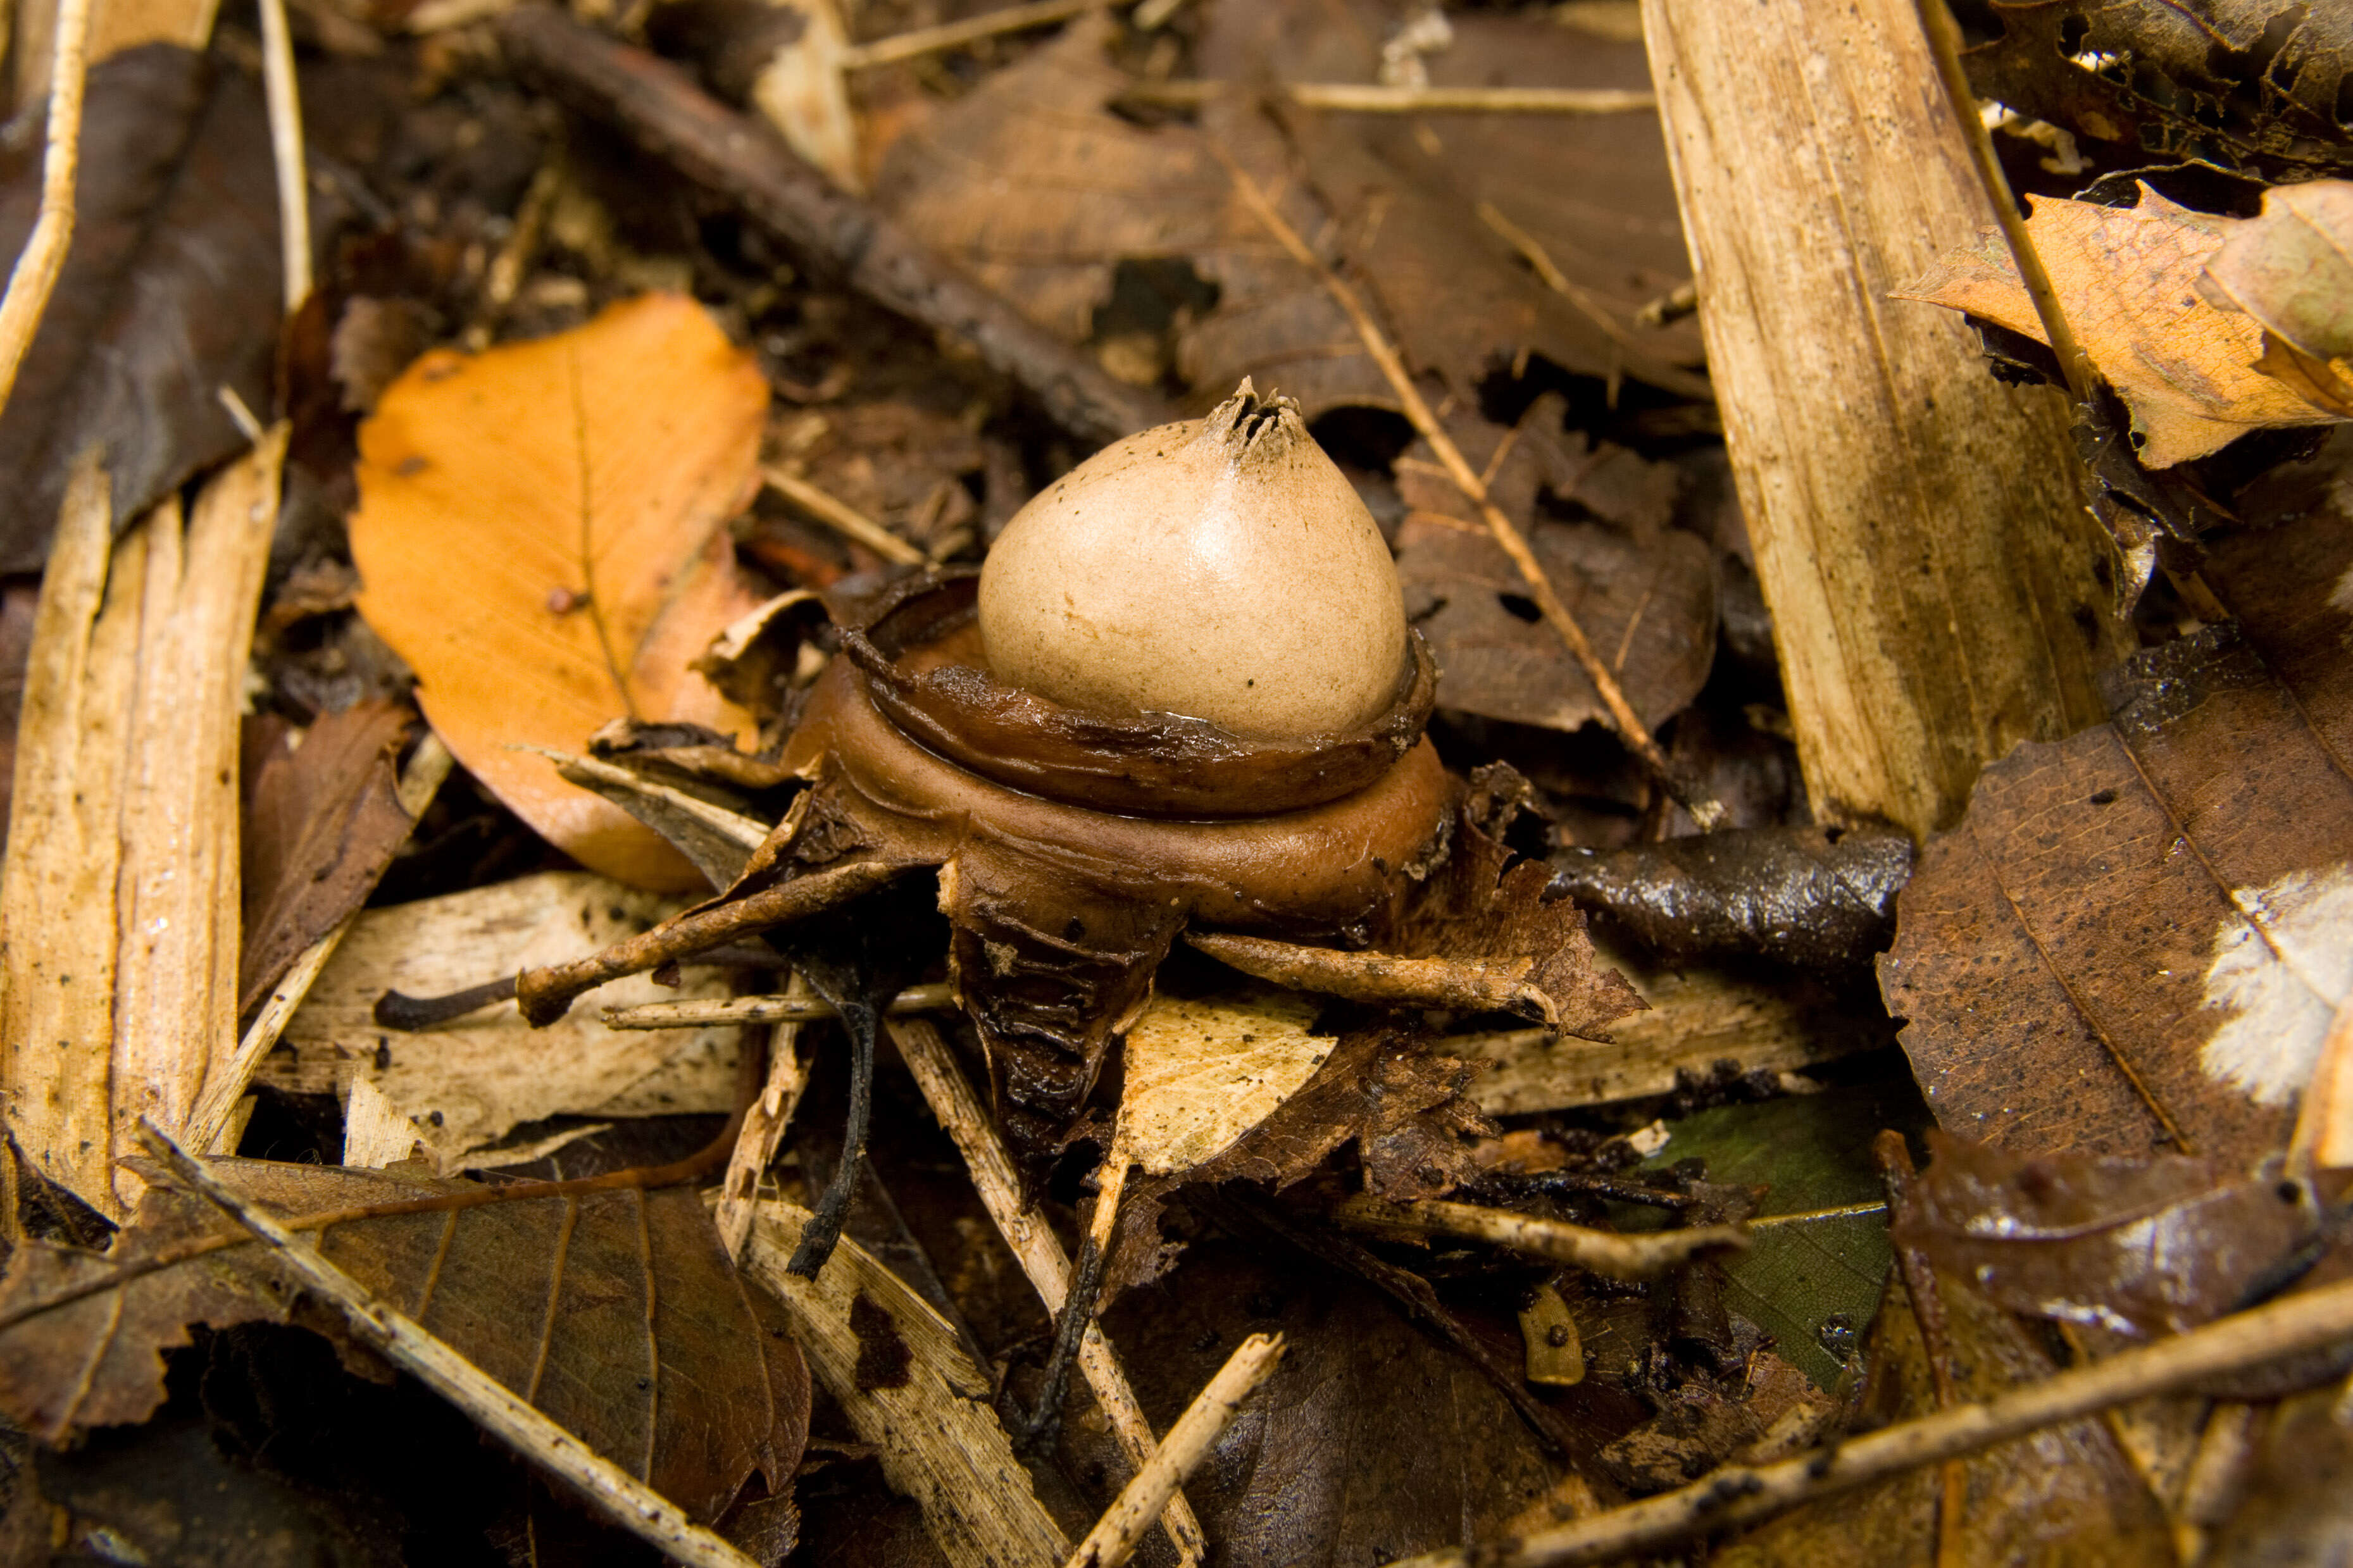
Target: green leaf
1819, 1253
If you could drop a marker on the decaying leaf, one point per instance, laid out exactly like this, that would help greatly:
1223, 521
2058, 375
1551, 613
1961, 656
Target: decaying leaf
1645, 593
1371, 1441
172, 291
2246, 83
322, 822
616, 1313
1698, 1018
1479, 905
461, 1088
2065, 1494
2136, 1246
539, 536
1200, 1073
1036, 187
2127, 280
2292, 271
1773, 1412
2137, 935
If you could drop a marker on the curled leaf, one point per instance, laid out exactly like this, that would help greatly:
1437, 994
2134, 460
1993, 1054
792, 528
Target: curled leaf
2127, 280
2292, 271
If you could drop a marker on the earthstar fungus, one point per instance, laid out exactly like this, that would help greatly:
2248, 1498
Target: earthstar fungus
1077, 824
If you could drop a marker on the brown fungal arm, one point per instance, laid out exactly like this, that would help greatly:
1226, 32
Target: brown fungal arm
1478, 984
545, 995
1049, 965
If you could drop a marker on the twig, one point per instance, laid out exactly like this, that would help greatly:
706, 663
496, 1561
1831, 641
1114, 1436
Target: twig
841, 517
1703, 809
36, 273
1379, 98
937, 997
1944, 45
421, 781
1742, 1494
737, 158
1672, 306
1139, 1503
1040, 1255
763, 1129
921, 41
1621, 1257
2212, 1490
504, 278
1154, 14
285, 103
613, 1492
1474, 985
545, 995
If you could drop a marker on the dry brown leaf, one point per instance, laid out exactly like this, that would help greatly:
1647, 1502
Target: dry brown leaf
2066, 1494
2138, 935
1373, 1440
171, 291
322, 822
1202, 1072
1645, 593
2133, 1247
1032, 185
2127, 280
540, 537
618, 1314
461, 1088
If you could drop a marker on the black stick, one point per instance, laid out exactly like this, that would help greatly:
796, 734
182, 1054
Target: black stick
823, 1232
398, 1010
1070, 1327
740, 159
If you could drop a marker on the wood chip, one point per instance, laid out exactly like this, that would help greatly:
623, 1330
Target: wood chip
941, 1442
121, 906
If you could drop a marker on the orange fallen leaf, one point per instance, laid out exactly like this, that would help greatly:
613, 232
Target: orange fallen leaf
2127, 280
541, 536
